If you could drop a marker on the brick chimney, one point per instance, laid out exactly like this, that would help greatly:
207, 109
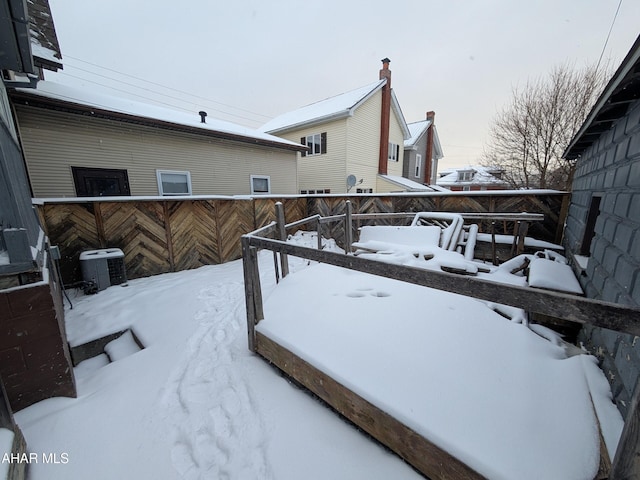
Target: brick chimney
385, 114
428, 158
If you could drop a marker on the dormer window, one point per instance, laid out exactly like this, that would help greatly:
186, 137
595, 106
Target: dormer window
465, 175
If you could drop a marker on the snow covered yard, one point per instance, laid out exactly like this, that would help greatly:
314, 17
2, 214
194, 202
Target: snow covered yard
195, 403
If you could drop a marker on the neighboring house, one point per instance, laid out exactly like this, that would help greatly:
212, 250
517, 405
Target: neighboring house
422, 151
355, 140
602, 233
34, 355
472, 178
78, 143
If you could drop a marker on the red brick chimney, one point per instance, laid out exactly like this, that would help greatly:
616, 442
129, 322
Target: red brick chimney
428, 158
385, 114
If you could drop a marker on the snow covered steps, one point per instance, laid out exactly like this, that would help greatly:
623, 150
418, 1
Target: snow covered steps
114, 347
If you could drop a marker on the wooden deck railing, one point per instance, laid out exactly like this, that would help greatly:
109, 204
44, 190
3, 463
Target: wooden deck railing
572, 308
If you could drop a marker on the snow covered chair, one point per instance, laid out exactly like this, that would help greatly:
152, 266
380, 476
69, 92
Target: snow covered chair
450, 224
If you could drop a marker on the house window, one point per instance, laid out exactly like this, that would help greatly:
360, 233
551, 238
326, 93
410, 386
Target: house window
465, 176
364, 190
173, 183
466, 188
418, 166
590, 225
100, 182
316, 191
317, 144
260, 184
394, 152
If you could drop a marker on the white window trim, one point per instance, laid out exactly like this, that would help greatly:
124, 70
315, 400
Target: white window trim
418, 170
262, 177
312, 150
186, 173
393, 154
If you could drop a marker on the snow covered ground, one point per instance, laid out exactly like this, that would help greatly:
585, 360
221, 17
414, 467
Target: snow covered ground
196, 404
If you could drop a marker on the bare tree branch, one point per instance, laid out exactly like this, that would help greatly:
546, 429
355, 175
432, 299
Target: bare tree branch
529, 135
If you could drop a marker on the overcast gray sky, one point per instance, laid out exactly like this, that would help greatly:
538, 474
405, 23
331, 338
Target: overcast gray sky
260, 58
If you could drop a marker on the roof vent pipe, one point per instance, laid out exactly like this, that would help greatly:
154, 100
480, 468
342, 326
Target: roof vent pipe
203, 115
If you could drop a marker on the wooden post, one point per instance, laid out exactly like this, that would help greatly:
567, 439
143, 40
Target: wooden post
276, 267
522, 235
281, 232
252, 290
516, 233
626, 463
493, 243
348, 234
319, 233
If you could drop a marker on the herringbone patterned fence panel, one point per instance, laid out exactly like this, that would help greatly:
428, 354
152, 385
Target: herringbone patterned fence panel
72, 227
170, 235
235, 218
194, 233
139, 230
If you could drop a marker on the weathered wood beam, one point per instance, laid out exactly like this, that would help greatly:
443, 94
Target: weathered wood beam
582, 310
423, 455
626, 463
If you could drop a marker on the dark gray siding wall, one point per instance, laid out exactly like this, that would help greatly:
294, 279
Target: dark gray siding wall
611, 168
16, 210
409, 165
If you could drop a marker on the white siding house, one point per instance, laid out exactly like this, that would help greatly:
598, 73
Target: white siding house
357, 135
77, 143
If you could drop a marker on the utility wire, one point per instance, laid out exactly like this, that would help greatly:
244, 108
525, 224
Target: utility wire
608, 35
165, 86
147, 90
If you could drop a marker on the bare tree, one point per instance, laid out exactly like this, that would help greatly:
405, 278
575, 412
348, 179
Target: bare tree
529, 135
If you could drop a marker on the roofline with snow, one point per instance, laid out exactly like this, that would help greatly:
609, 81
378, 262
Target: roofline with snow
29, 98
613, 104
329, 117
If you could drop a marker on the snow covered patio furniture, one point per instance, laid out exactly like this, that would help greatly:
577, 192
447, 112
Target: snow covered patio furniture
395, 367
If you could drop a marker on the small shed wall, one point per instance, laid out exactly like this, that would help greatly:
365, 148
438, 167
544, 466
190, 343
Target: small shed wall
610, 168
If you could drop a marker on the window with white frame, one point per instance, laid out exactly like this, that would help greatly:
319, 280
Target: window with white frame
465, 175
172, 182
418, 170
317, 144
260, 184
394, 152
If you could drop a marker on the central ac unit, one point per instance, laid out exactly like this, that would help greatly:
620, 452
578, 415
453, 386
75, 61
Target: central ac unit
102, 268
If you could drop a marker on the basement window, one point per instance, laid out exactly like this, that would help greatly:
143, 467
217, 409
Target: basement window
260, 184
172, 182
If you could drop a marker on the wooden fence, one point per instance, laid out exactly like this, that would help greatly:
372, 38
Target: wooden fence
168, 235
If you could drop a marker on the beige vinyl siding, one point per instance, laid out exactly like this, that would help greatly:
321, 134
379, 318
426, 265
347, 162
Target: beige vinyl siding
55, 141
326, 170
396, 136
364, 142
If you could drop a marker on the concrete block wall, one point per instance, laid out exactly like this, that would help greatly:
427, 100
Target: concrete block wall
611, 168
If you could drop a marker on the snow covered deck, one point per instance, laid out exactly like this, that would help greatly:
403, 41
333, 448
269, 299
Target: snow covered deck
443, 380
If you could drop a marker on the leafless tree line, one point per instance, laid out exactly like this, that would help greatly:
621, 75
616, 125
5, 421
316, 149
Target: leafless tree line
529, 135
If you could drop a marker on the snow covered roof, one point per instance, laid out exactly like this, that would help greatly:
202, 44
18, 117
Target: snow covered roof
333, 108
417, 130
88, 102
480, 176
406, 184
613, 104
44, 41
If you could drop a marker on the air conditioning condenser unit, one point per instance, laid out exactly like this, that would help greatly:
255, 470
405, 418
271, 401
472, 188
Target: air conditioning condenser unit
102, 268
